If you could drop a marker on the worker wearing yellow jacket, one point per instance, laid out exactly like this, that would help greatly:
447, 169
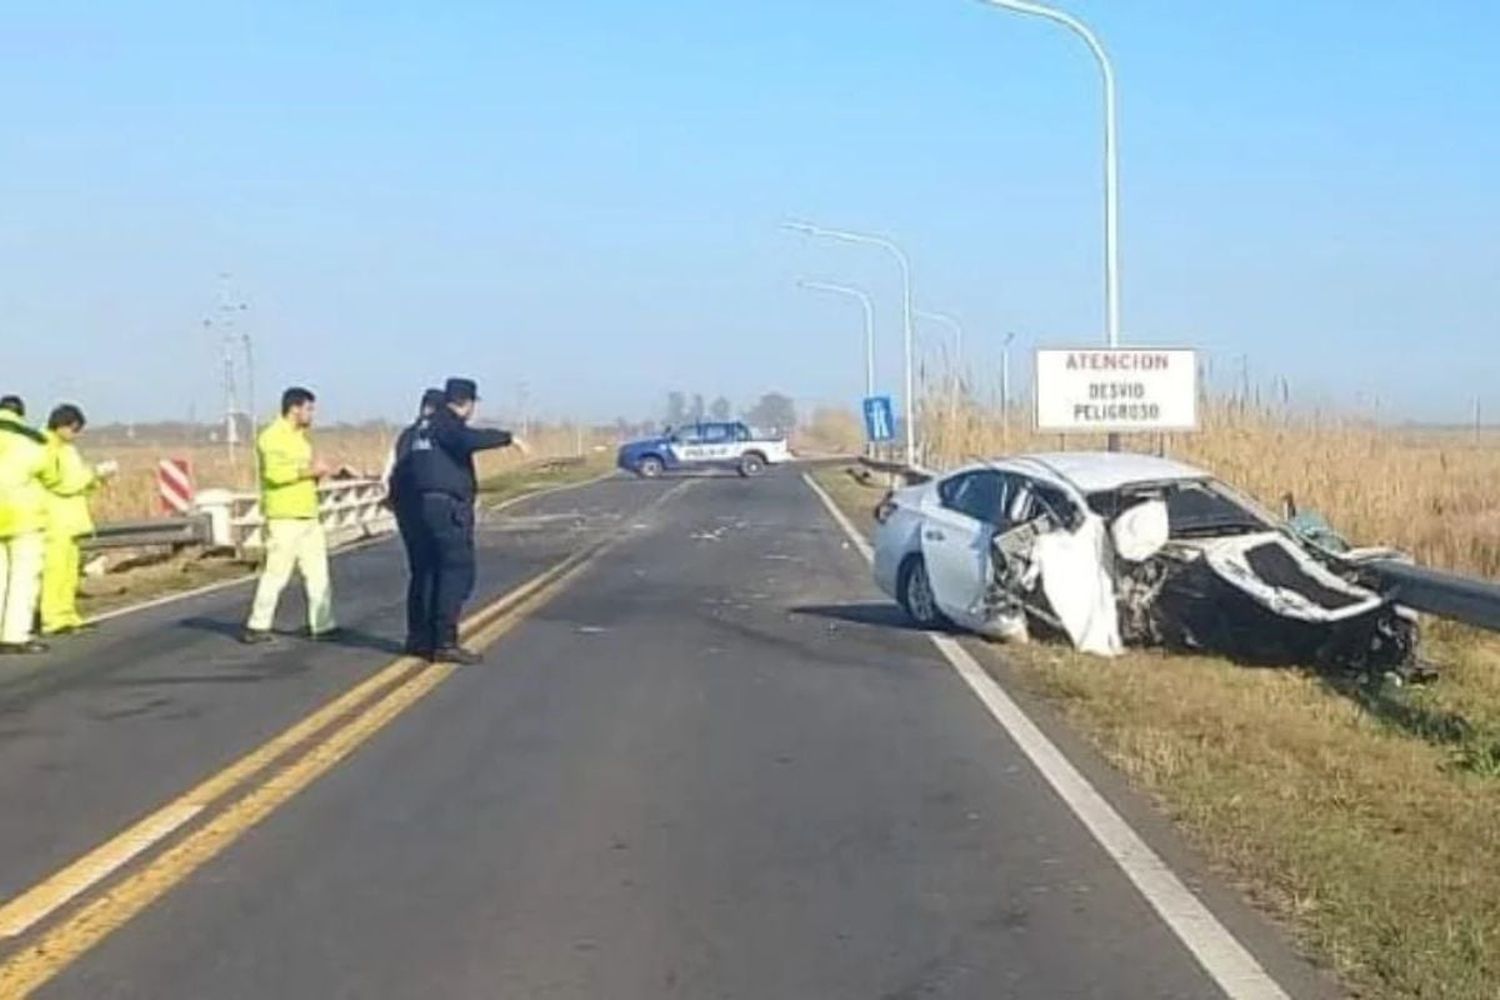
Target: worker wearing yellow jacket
68, 518
24, 478
294, 538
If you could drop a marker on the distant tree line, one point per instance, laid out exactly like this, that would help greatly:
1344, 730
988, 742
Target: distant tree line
773, 411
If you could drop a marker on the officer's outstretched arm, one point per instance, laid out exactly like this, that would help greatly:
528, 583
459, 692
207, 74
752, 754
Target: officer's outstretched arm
462, 440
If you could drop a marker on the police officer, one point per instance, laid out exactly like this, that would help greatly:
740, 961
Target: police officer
406, 505
439, 475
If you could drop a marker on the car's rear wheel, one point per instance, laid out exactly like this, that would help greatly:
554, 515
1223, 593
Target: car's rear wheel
752, 465
649, 467
916, 594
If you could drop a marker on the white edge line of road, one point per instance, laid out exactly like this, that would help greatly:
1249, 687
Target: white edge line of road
1221, 955
184, 595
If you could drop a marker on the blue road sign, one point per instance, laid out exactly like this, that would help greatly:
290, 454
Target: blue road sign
880, 419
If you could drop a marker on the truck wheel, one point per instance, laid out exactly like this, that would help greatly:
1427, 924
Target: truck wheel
752, 465
649, 467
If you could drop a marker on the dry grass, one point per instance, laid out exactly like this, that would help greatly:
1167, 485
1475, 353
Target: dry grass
1368, 820
830, 431
1368, 823
133, 493
517, 481
1433, 493
147, 579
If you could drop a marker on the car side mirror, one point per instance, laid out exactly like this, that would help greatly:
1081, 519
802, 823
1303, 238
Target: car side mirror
1141, 532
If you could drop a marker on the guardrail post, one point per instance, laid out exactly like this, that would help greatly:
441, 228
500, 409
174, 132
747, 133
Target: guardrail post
219, 506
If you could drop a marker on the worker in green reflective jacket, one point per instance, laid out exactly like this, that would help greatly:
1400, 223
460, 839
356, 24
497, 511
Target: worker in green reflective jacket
24, 477
70, 483
294, 540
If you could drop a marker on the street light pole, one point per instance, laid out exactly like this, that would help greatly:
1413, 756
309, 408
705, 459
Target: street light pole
847, 236
1111, 164
864, 300
1005, 390
1111, 157
1005, 370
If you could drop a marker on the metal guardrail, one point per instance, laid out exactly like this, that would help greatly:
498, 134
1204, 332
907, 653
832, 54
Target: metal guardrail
1446, 595
172, 531
911, 474
349, 509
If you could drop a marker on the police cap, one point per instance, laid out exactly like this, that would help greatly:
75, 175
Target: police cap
461, 390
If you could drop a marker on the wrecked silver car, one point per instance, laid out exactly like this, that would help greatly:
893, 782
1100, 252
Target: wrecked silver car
1117, 549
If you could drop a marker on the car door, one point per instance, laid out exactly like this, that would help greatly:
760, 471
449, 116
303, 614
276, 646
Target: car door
686, 444
1070, 557
957, 524
716, 444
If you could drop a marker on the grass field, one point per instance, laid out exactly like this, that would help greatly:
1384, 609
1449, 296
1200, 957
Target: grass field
1367, 820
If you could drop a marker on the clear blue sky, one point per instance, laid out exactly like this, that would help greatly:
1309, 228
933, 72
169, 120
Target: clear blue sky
586, 195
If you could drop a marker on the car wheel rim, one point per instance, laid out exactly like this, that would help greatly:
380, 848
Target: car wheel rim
919, 593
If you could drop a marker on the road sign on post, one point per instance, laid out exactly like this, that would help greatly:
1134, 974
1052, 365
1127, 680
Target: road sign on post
1094, 391
880, 419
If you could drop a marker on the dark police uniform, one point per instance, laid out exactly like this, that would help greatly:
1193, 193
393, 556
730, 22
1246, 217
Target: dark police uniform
437, 488
405, 503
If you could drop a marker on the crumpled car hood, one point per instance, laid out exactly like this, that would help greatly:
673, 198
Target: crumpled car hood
1283, 578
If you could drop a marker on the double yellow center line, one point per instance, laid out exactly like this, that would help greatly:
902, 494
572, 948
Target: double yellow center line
323, 738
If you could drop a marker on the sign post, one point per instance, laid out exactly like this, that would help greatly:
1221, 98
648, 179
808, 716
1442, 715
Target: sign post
1123, 391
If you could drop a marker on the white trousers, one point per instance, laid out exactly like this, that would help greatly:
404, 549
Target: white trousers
21, 558
300, 545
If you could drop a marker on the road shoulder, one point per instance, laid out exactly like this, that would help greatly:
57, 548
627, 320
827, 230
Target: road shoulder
1266, 962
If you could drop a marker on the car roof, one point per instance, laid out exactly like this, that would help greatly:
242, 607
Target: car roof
1098, 471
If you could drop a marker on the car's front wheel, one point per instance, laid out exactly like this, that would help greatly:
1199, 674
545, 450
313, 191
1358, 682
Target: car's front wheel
649, 467
916, 596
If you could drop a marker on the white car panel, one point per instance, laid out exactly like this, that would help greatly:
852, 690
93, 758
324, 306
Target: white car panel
897, 537
956, 549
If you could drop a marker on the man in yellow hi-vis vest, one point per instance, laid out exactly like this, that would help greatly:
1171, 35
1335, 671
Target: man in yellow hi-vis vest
294, 539
68, 518
23, 522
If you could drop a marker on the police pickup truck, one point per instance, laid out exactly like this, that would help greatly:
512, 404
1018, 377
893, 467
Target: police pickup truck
721, 444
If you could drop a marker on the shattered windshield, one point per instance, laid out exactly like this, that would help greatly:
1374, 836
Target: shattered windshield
1195, 509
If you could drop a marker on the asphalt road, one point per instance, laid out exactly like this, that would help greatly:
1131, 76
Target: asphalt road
712, 765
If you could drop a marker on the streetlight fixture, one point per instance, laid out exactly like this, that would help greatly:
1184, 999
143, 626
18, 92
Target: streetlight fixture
1111, 158
955, 379
953, 325
808, 229
864, 300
